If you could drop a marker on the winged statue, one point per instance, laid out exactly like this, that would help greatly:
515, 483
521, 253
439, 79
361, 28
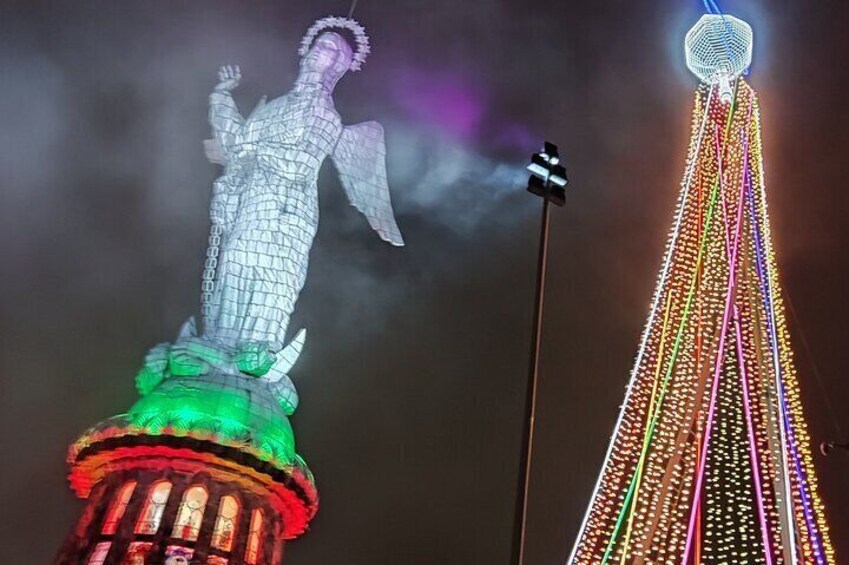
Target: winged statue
264, 208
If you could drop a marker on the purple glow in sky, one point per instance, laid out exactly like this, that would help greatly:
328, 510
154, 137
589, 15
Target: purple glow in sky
451, 104
444, 100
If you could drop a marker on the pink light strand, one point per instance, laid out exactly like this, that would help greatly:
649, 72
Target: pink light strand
753, 452
753, 449
720, 355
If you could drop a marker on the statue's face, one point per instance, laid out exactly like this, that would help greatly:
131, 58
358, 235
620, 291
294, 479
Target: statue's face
330, 55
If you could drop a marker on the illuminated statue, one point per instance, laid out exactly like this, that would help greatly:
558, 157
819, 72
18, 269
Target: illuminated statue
264, 212
267, 201
203, 467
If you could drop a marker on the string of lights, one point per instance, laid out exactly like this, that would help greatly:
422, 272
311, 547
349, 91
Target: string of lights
710, 460
700, 121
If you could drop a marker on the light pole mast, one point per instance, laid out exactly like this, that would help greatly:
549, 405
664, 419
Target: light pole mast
548, 179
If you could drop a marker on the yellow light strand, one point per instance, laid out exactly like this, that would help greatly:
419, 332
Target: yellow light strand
649, 416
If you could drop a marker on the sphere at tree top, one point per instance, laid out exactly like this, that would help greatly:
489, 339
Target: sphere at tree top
718, 50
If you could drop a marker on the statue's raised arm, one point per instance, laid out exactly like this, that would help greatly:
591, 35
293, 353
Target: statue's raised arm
224, 116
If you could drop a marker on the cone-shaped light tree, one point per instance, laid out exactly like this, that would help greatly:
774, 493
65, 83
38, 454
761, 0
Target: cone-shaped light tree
710, 459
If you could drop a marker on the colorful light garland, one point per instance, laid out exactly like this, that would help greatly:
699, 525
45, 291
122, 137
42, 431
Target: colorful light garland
710, 459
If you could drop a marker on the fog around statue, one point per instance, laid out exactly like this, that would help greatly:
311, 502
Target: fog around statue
264, 211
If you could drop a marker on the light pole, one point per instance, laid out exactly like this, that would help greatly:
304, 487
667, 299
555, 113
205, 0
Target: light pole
548, 180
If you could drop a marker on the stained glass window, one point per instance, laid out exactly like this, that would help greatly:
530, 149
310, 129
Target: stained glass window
252, 552
178, 555
154, 506
225, 523
117, 508
98, 556
137, 552
190, 514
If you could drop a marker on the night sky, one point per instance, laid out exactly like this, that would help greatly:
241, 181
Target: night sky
413, 377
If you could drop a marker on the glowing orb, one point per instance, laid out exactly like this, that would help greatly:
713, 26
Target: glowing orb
718, 50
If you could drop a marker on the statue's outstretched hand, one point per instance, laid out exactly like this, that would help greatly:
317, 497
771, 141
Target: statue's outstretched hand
229, 77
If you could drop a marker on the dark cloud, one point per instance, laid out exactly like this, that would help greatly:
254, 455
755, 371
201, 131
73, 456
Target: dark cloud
413, 376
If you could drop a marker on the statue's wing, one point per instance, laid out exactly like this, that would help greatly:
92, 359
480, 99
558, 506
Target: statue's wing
360, 157
188, 330
287, 358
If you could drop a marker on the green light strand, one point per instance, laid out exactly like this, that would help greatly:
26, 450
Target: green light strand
649, 416
675, 349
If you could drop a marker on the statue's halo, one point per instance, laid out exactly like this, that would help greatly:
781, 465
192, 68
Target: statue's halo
335, 22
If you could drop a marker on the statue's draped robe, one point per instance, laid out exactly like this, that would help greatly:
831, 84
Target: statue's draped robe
267, 204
